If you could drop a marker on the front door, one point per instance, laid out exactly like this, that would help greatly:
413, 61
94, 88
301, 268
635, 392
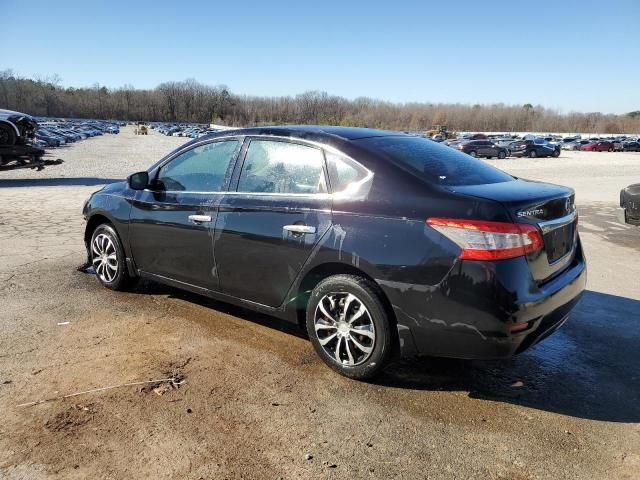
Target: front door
171, 223
268, 227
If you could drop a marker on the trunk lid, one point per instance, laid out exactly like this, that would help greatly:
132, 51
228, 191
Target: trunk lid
551, 208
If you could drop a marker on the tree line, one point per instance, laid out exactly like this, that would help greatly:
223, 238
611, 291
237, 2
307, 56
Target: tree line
191, 101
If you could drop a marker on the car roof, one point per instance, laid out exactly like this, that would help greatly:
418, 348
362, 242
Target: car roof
314, 131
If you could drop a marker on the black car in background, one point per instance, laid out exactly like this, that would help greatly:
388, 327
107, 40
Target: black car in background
537, 147
630, 205
483, 148
378, 242
631, 146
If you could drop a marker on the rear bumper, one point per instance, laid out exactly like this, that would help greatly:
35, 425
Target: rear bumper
472, 312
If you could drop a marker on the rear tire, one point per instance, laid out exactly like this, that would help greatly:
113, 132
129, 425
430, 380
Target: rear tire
108, 259
473, 153
533, 154
502, 155
555, 154
349, 326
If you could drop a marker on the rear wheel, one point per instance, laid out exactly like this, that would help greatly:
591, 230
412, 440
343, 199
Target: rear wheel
7, 135
502, 155
533, 154
555, 154
108, 259
473, 153
611, 149
348, 326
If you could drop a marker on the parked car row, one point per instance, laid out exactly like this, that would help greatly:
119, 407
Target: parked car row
54, 133
507, 147
490, 146
182, 129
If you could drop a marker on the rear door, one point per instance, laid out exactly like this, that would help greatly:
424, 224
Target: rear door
171, 223
267, 228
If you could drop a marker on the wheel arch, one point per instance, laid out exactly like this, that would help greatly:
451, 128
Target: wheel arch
12, 125
319, 272
93, 222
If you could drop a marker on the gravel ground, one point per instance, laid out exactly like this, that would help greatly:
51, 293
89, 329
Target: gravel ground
256, 402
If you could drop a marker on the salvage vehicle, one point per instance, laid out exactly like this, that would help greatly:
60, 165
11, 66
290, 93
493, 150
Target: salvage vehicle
483, 148
16, 128
629, 211
532, 148
380, 243
631, 146
600, 146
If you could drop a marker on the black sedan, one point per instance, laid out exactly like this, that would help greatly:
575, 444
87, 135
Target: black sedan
378, 242
630, 205
483, 148
533, 148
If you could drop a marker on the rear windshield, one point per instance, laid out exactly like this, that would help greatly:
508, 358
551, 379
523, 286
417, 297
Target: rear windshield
433, 162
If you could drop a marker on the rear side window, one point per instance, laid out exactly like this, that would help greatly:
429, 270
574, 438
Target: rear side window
433, 162
280, 167
201, 169
344, 173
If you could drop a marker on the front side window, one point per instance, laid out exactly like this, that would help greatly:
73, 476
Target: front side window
201, 169
272, 166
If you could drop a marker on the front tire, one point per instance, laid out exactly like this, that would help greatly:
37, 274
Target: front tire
555, 154
108, 259
502, 155
7, 135
473, 153
533, 154
349, 326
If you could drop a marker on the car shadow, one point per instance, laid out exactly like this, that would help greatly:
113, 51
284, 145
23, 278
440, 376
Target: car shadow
56, 182
600, 219
588, 369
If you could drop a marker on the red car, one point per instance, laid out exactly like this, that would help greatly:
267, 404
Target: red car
598, 147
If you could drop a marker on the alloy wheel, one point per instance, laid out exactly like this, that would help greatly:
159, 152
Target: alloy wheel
104, 258
344, 328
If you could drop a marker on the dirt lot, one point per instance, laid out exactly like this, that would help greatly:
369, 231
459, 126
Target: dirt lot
256, 402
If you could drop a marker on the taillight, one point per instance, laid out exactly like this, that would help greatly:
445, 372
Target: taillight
484, 240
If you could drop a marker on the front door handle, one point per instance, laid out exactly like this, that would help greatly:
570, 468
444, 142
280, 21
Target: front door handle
299, 228
199, 218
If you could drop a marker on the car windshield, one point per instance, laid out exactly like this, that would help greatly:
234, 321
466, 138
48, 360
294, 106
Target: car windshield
433, 162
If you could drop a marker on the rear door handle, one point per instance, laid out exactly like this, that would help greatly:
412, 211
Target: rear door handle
199, 218
299, 228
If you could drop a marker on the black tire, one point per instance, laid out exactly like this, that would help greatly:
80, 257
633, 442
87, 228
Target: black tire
502, 155
375, 315
555, 154
115, 280
473, 153
533, 153
611, 149
489, 158
7, 135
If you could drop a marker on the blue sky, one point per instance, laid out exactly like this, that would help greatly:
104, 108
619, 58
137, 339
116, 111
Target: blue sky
568, 55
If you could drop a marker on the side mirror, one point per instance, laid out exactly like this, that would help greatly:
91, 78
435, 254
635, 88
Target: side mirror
138, 181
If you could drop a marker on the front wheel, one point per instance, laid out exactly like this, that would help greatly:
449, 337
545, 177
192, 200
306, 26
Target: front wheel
473, 153
555, 154
7, 135
349, 326
108, 259
533, 154
502, 155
